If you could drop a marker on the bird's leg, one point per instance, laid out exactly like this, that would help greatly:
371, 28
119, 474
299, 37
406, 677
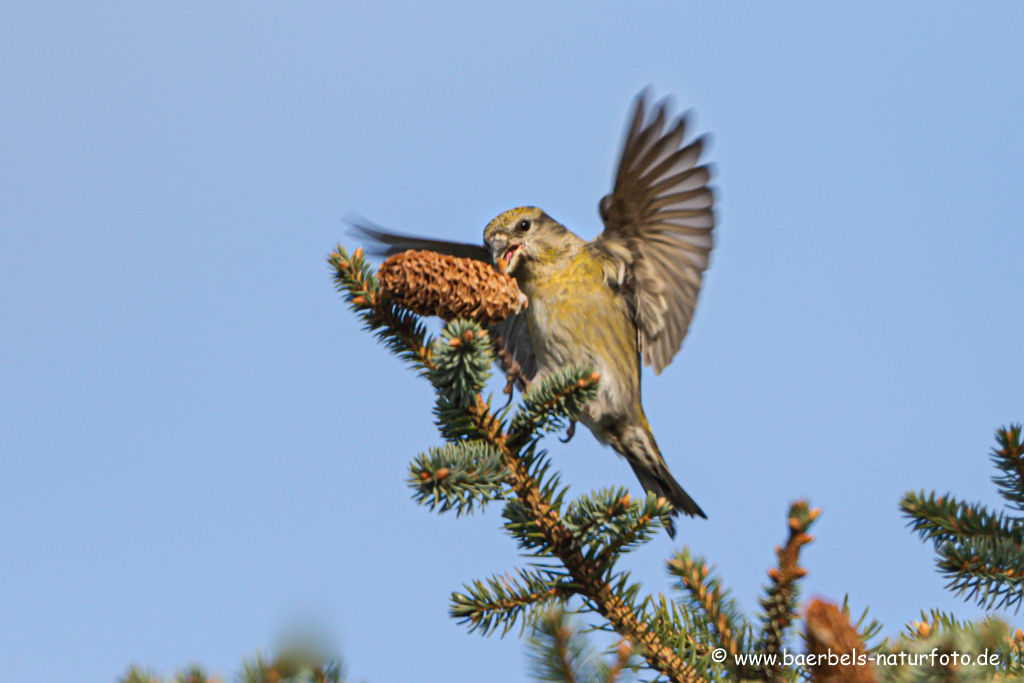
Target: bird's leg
570, 432
513, 372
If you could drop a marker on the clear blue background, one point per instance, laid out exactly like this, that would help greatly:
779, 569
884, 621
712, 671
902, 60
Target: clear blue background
198, 444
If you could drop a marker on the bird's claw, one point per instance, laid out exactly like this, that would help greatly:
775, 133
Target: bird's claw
569, 432
508, 390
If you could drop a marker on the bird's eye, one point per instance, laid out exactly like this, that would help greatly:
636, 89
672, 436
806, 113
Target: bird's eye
524, 225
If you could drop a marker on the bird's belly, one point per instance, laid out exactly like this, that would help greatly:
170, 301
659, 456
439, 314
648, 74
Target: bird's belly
596, 331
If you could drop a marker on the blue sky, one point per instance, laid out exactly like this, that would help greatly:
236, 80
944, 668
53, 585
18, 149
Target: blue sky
199, 446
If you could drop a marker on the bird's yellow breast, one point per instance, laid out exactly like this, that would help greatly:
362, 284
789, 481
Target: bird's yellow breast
566, 289
574, 316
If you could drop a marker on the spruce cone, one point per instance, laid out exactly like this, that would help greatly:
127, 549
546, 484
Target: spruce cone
830, 633
429, 283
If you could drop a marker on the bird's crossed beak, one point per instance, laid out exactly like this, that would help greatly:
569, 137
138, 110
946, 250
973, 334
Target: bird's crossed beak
506, 254
512, 256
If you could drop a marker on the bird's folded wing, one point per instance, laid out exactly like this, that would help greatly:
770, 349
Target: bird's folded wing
515, 336
658, 229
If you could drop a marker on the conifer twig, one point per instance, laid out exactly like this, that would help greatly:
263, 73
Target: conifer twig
399, 329
978, 550
780, 602
694, 577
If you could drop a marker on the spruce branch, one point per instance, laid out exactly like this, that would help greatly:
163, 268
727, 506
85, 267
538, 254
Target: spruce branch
599, 594
559, 652
609, 523
401, 330
780, 601
582, 541
987, 571
552, 399
1009, 458
458, 476
943, 519
500, 601
933, 620
706, 592
980, 552
462, 363
948, 650
547, 528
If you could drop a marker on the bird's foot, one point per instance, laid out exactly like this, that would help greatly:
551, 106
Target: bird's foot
570, 432
513, 372
508, 390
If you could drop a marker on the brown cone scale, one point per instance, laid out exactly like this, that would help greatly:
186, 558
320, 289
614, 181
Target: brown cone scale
429, 283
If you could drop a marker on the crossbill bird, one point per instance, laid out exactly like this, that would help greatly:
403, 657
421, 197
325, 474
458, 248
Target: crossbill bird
622, 299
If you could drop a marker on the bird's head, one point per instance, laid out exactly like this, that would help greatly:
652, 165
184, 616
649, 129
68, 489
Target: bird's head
525, 237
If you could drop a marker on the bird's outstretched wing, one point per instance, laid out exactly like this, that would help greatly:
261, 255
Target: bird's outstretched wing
514, 331
385, 243
658, 229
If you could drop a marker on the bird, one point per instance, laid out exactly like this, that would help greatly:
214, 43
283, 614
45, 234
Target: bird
623, 299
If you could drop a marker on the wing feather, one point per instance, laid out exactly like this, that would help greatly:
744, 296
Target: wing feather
515, 335
385, 243
659, 221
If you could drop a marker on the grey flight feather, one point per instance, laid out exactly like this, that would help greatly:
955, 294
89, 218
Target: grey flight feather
386, 243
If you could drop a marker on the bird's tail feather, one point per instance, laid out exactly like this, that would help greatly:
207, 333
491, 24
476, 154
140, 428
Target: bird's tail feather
650, 468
